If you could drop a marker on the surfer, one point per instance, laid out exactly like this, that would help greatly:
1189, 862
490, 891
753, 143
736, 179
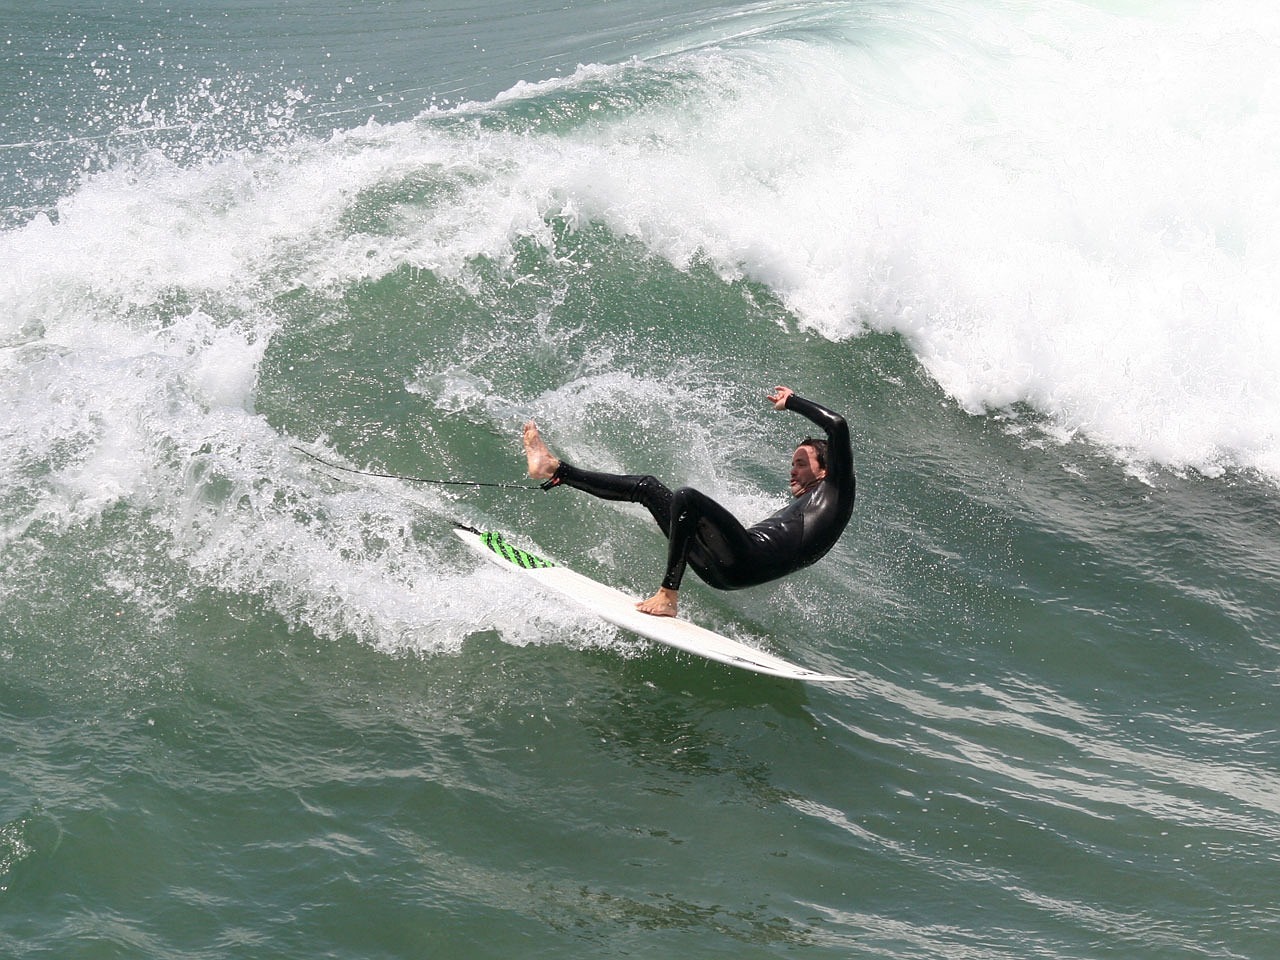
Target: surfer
704, 535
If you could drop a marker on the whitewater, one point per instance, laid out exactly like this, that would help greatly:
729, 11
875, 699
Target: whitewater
1057, 215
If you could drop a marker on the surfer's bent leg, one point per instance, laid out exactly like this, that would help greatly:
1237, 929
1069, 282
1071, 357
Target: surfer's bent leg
647, 491
707, 536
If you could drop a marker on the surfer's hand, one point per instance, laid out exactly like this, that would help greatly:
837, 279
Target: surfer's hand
780, 396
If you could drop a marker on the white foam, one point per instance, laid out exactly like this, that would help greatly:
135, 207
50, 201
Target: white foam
1065, 208
1083, 226
1061, 207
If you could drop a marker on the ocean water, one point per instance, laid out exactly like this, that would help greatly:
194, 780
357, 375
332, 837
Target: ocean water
251, 707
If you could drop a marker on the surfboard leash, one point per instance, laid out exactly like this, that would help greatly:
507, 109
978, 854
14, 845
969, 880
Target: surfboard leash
396, 476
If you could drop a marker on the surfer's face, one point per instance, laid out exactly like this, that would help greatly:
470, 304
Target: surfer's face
805, 471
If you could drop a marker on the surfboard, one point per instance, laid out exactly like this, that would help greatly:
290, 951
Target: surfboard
619, 609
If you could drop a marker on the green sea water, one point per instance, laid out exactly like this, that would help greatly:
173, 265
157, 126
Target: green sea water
254, 707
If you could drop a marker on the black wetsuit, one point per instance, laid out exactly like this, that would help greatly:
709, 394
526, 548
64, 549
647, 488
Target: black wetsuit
706, 536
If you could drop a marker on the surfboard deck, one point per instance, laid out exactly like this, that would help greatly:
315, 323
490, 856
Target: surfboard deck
619, 609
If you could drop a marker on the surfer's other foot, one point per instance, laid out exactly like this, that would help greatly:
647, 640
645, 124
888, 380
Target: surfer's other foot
542, 463
661, 604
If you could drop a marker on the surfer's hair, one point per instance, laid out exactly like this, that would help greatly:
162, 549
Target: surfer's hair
819, 449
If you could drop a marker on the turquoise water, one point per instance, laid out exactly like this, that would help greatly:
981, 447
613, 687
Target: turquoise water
252, 708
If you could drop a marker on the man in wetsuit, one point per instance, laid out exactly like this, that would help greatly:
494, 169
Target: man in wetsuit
704, 535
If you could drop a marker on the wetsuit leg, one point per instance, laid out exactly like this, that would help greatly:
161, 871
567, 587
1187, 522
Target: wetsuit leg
700, 532
710, 539
647, 491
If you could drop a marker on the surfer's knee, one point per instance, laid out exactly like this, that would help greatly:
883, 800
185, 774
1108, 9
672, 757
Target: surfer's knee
686, 504
646, 488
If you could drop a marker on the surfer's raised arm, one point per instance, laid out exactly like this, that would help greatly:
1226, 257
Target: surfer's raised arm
703, 534
835, 453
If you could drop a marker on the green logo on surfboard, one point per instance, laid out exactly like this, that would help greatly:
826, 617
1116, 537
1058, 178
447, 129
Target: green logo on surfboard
521, 558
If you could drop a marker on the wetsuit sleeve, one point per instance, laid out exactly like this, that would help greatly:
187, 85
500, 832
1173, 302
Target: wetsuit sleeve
839, 447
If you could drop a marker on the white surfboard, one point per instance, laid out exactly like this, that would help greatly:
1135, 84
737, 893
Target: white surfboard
619, 609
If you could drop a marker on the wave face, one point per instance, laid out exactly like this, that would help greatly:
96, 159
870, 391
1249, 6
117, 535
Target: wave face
1062, 211
1027, 249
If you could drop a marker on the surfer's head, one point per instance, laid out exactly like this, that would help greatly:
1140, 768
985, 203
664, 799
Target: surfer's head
819, 449
808, 465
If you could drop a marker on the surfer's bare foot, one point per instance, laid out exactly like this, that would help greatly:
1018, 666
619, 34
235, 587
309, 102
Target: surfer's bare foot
542, 462
661, 604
